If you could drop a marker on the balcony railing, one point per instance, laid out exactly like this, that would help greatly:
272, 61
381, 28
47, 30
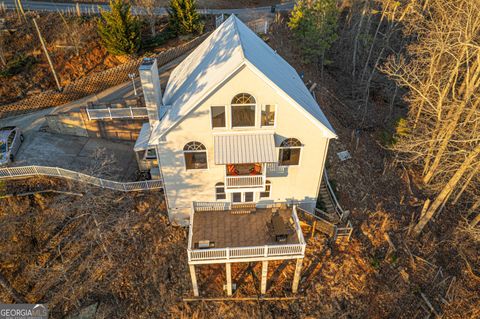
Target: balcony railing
239, 182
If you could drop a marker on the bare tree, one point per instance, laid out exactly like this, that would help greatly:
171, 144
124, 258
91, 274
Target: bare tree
442, 73
148, 7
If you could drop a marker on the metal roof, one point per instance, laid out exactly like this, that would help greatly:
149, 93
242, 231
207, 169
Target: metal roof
229, 48
245, 148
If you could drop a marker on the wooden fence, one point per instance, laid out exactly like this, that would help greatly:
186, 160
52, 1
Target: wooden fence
32, 171
93, 83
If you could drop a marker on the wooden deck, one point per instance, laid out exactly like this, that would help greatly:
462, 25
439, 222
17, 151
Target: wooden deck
239, 228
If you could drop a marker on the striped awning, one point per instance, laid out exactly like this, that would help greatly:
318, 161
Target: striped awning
244, 148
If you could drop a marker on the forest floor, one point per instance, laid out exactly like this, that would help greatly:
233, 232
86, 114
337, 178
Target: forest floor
119, 252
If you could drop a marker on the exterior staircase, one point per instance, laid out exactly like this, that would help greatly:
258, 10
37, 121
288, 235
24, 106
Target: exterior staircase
332, 220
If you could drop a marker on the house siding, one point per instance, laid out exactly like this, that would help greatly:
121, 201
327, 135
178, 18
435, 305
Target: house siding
298, 183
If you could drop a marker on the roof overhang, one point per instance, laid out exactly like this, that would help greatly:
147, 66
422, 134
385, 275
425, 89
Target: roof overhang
258, 147
141, 143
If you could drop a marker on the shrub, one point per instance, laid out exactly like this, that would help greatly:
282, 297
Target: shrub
184, 18
119, 29
18, 64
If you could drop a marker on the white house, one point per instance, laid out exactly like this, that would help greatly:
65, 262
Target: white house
240, 143
237, 124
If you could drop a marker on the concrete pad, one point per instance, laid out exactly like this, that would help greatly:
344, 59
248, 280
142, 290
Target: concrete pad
77, 154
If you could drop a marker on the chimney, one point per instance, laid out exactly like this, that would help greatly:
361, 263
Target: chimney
152, 93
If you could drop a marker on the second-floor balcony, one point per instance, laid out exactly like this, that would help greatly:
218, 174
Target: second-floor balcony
245, 156
245, 176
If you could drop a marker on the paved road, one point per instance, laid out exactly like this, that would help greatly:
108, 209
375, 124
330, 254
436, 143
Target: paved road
94, 8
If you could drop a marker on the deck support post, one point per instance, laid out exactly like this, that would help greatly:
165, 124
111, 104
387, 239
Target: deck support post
194, 280
228, 267
296, 276
263, 288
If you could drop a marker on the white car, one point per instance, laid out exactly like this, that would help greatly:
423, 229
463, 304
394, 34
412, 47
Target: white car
10, 139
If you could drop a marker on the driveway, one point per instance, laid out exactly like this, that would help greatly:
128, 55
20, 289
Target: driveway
74, 152
113, 160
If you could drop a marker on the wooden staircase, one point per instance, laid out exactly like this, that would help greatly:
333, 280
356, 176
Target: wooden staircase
332, 221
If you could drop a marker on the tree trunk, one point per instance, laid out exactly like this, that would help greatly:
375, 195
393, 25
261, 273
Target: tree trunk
152, 26
355, 40
475, 221
446, 191
452, 125
439, 106
373, 45
466, 183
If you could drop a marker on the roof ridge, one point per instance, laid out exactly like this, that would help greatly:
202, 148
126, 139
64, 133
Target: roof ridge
237, 34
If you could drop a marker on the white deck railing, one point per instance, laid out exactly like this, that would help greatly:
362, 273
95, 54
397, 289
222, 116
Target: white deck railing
31, 171
241, 253
253, 252
211, 206
250, 181
117, 113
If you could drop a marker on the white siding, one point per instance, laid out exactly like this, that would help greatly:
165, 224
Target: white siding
287, 183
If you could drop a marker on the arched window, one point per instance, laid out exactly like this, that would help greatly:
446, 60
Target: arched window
220, 191
243, 110
266, 193
290, 152
195, 155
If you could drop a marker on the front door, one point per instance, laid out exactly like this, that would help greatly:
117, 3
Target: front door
242, 197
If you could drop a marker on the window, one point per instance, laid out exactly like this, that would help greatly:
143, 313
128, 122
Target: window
237, 197
243, 110
220, 191
195, 155
268, 115
266, 193
151, 154
248, 197
10, 140
290, 152
218, 116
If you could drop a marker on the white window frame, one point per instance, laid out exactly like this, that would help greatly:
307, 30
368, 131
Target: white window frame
226, 118
269, 192
198, 151
224, 193
242, 197
290, 147
255, 105
274, 116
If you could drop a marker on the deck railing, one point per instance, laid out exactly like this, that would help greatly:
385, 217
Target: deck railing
31, 171
249, 181
237, 253
117, 113
211, 206
252, 252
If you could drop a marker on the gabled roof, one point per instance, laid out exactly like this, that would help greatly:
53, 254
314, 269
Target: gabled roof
229, 48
